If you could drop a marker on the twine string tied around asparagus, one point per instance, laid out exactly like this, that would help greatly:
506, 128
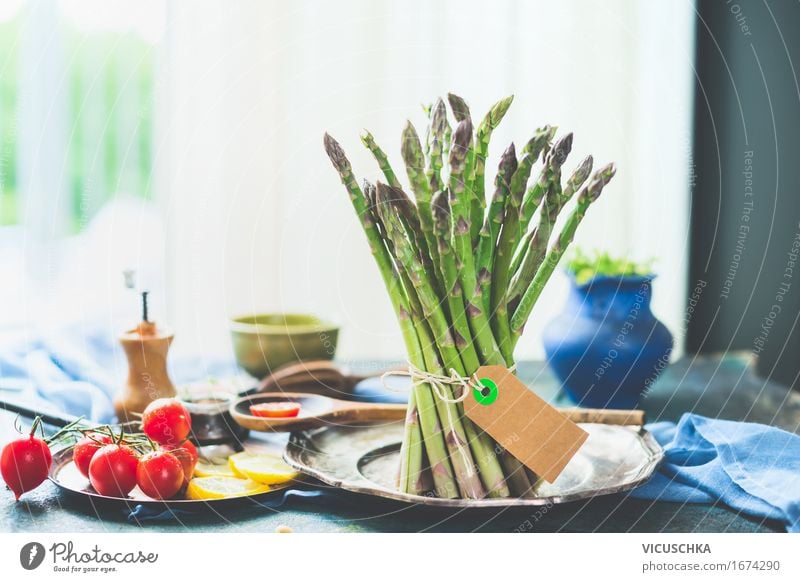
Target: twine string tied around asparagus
439, 383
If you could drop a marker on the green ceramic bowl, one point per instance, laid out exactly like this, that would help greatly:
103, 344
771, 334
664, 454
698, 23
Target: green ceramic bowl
264, 342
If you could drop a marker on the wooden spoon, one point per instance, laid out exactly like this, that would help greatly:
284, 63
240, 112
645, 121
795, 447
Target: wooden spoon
318, 411
315, 411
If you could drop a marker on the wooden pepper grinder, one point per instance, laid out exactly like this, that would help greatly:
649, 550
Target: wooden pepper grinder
146, 348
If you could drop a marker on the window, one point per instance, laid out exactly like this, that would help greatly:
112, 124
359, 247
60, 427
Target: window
100, 58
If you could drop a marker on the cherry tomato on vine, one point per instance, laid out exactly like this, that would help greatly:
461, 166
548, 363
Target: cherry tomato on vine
159, 475
112, 471
166, 421
85, 449
187, 454
25, 463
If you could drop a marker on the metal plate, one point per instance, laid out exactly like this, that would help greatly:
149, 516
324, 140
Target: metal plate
66, 477
365, 459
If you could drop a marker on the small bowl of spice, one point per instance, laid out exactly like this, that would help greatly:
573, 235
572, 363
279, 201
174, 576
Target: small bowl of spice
212, 423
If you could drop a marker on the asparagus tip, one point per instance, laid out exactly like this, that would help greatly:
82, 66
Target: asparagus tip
336, 153
461, 140
561, 150
541, 138
411, 149
508, 164
369, 192
583, 170
599, 180
608, 171
499, 110
510, 152
459, 107
439, 117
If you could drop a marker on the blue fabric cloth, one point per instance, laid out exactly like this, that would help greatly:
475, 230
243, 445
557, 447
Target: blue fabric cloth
79, 369
286, 499
752, 468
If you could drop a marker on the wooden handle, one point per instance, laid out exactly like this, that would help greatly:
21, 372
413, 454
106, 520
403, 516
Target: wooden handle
345, 411
605, 416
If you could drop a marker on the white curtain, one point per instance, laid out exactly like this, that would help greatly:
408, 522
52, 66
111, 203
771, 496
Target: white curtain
257, 219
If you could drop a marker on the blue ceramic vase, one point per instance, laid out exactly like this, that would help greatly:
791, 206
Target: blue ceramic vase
606, 346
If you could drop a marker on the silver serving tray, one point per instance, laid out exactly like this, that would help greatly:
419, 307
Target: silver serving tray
365, 459
65, 475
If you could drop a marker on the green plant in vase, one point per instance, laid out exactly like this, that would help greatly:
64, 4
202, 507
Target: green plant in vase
585, 266
464, 267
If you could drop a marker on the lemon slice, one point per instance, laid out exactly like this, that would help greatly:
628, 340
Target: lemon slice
222, 488
203, 469
266, 469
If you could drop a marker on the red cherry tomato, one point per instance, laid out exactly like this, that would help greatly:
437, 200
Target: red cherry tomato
85, 449
112, 471
159, 475
186, 453
275, 409
25, 463
166, 421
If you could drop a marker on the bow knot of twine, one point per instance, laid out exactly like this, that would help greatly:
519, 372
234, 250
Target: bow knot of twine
439, 382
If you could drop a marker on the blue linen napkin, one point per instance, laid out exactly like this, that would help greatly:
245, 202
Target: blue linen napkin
752, 468
78, 369
287, 499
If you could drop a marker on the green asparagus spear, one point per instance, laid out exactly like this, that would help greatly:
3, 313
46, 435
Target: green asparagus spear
438, 129
482, 137
411, 452
555, 200
475, 206
520, 254
503, 255
381, 157
428, 109
415, 168
586, 197
494, 222
517, 477
535, 193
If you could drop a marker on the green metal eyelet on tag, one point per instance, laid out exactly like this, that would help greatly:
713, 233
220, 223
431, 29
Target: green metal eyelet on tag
487, 394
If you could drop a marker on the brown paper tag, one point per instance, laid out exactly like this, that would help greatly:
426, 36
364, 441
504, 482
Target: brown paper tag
538, 435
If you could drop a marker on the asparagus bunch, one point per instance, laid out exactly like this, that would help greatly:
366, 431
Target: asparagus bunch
463, 274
